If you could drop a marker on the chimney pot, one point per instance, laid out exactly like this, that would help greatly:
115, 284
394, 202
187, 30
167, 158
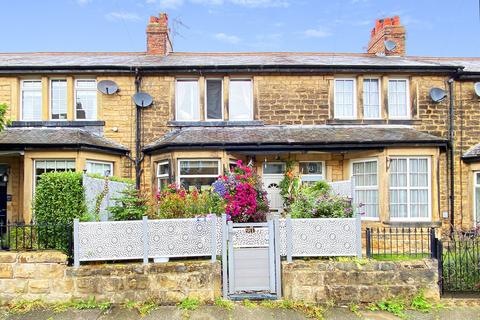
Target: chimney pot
387, 29
158, 39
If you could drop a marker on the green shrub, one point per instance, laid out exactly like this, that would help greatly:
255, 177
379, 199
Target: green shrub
130, 205
59, 198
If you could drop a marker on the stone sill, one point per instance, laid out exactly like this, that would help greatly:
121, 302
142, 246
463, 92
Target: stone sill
373, 122
413, 224
215, 123
66, 124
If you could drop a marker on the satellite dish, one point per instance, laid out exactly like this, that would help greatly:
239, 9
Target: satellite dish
107, 87
477, 88
390, 45
142, 99
437, 94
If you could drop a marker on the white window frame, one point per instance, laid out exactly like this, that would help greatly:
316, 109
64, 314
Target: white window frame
21, 97
109, 163
51, 159
379, 115
206, 100
250, 115
180, 176
312, 177
177, 96
274, 174
363, 160
335, 114
50, 98
476, 219
407, 95
163, 175
75, 90
408, 188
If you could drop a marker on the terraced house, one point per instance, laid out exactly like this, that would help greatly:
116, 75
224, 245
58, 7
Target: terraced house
364, 117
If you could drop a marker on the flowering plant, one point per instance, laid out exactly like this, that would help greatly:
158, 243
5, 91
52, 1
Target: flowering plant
242, 190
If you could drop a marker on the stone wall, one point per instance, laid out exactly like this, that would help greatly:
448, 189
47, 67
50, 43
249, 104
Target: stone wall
46, 276
354, 282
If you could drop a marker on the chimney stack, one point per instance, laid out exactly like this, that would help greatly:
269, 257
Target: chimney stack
387, 29
158, 40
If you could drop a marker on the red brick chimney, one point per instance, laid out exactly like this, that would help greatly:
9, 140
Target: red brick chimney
387, 29
158, 41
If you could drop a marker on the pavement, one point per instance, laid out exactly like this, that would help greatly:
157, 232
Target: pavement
240, 312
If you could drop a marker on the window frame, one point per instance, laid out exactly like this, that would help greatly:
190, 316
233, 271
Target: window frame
177, 80
354, 93
180, 176
379, 115
163, 176
21, 98
408, 188
49, 159
205, 100
313, 175
50, 98
377, 187
407, 98
476, 216
252, 99
283, 163
110, 163
75, 90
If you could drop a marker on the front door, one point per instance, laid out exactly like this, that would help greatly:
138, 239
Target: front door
273, 174
3, 194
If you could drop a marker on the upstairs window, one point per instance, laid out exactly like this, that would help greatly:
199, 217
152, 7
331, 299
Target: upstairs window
398, 97
31, 97
58, 99
187, 100
345, 101
371, 98
240, 100
86, 99
214, 99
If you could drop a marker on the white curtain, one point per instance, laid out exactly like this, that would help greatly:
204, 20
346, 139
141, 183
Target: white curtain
187, 103
240, 100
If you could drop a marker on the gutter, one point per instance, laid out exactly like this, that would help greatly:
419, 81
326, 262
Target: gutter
21, 147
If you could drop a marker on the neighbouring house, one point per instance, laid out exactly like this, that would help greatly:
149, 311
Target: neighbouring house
337, 115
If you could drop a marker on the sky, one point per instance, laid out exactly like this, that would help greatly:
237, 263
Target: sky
434, 27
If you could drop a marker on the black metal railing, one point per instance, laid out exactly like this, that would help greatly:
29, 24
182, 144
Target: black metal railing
387, 243
38, 236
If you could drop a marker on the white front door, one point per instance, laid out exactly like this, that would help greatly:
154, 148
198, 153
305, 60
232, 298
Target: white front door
273, 173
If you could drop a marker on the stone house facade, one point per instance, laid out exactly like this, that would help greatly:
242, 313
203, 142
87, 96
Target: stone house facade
362, 117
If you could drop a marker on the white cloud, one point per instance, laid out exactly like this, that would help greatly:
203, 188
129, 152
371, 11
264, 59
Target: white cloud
122, 16
244, 3
83, 2
166, 4
227, 38
261, 3
316, 33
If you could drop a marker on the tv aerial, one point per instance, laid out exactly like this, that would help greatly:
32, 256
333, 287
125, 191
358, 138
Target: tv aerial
437, 94
142, 99
107, 87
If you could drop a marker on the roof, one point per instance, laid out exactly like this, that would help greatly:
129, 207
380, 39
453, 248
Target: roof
21, 138
178, 60
472, 154
294, 137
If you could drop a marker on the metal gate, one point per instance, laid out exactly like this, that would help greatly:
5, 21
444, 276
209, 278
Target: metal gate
460, 264
251, 260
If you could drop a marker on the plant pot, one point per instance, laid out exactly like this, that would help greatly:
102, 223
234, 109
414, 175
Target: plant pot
161, 259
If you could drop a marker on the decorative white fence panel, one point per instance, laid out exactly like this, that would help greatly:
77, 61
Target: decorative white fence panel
129, 240
343, 188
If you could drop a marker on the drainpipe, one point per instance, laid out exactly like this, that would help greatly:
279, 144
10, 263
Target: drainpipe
138, 138
451, 147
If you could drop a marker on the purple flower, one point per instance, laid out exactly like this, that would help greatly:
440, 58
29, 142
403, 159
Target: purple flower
219, 187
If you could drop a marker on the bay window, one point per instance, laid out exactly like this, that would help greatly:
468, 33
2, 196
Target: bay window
198, 173
345, 99
187, 100
52, 165
410, 190
214, 99
371, 98
31, 100
100, 167
240, 99
365, 184
86, 99
163, 174
398, 99
58, 99
476, 186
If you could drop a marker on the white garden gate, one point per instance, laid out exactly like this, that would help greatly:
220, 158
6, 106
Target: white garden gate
251, 260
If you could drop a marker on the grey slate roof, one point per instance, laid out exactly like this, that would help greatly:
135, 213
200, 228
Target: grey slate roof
20, 138
472, 154
321, 137
183, 60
